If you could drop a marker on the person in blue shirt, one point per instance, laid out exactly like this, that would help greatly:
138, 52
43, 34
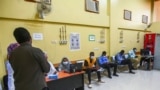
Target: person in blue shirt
120, 59
104, 62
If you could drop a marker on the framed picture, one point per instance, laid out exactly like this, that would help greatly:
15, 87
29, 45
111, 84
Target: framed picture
144, 19
39, 1
91, 37
92, 6
127, 15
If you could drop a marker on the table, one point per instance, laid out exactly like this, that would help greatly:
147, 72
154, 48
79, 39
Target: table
150, 57
67, 81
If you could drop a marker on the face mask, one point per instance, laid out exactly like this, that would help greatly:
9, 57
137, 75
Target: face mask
92, 57
65, 63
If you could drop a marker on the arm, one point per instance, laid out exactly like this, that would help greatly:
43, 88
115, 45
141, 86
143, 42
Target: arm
86, 64
40, 58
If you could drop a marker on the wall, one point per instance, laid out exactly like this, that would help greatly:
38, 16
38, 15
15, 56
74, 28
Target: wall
156, 11
155, 27
70, 13
131, 27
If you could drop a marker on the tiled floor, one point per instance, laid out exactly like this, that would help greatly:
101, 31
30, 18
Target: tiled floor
142, 80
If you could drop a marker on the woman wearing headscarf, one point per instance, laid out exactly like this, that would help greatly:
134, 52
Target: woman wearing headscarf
10, 71
64, 65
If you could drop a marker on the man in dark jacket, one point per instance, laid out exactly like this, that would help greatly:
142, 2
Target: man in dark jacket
29, 63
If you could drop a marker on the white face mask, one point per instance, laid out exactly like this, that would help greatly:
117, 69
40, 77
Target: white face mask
65, 63
92, 57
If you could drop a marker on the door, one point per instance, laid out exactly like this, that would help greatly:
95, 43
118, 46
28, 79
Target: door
157, 53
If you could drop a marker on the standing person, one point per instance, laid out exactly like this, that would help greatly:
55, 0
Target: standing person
134, 58
29, 63
90, 66
120, 59
10, 71
104, 62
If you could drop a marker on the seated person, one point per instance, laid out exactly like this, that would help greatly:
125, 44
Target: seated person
145, 53
104, 62
89, 66
120, 59
134, 58
52, 68
64, 65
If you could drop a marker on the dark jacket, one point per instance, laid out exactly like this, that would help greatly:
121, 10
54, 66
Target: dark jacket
29, 65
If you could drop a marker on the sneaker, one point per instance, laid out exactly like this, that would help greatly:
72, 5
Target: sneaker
100, 81
89, 85
132, 72
115, 75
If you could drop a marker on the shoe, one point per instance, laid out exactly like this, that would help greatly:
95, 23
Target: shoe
115, 75
110, 77
100, 81
89, 85
132, 72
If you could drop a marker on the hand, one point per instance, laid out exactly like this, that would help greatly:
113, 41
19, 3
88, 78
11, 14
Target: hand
55, 72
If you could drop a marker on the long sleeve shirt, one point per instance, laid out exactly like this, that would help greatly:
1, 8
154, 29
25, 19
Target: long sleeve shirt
119, 58
103, 60
132, 54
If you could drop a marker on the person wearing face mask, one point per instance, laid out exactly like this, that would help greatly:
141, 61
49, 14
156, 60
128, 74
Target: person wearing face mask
134, 58
104, 62
90, 66
121, 60
64, 65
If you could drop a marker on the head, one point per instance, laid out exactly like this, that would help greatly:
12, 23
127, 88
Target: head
91, 55
104, 53
11, 47
22, 35
65, 61
122, 52
135, 49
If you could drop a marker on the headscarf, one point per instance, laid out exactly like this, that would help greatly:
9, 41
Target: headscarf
65, 66
12, 47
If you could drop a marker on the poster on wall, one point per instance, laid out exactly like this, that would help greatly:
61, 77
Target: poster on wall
37, 36
74, 41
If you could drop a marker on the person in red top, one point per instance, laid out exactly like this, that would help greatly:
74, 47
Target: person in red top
90, 66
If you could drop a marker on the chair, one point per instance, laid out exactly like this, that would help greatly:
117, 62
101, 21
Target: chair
120, 67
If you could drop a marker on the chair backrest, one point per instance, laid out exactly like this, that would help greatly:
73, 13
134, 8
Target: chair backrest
113, 58
97, 62
80, 61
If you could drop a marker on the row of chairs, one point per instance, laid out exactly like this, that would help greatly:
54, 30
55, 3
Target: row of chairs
120, 68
